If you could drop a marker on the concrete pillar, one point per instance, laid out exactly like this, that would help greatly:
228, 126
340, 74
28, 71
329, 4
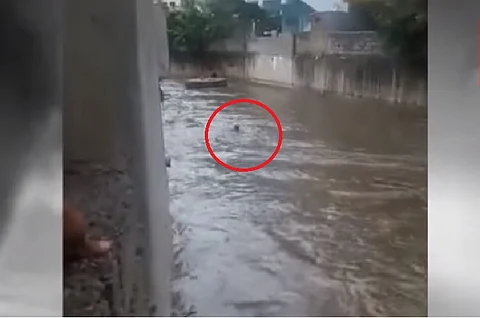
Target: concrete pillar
112, 62
99, 58
152, 174
162, 53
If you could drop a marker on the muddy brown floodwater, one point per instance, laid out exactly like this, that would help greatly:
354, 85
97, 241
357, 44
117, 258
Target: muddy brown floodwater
335, 225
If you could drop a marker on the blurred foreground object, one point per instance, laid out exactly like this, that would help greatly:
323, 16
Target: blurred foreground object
76, 243
31, 161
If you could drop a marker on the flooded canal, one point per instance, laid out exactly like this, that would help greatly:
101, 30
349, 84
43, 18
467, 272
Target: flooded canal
335, 225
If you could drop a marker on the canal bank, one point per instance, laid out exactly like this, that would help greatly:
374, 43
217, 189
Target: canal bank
335, 225
340, 63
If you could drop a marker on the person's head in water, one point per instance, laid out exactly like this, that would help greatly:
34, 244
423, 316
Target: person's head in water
236, 127
214, 75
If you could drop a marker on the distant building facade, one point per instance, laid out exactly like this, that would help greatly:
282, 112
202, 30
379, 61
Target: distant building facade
296, 16
338, 21
272, 7
173, 4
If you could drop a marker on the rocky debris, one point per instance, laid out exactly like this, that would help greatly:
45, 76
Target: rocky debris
85, 289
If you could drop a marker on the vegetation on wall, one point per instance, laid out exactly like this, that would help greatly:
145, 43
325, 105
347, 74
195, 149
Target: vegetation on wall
235, 13
401, 24
191, 30
194, 28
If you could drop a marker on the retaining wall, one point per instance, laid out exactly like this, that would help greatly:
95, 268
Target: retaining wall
344, 63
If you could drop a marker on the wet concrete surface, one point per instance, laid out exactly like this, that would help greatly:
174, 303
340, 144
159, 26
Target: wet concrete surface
114, 285
335, 225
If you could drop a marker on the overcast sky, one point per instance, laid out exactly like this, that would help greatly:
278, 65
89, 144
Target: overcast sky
321, 5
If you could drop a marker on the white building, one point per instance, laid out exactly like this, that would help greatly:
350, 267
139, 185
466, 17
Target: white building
173, 4
340, 5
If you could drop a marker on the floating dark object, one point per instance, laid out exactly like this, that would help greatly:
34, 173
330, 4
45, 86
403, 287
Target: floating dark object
207, 82
168, 162
214, 75
236, 127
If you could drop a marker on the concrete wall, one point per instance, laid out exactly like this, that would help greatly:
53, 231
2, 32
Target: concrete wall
354, 42
95, 88
317, 42
224, 64
359, 76
311, 43
281, 45
111, 67
273, 69
344, 63
320, 42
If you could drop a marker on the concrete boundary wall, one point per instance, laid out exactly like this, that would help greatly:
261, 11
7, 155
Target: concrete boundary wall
282, 45
360, 76
343, 63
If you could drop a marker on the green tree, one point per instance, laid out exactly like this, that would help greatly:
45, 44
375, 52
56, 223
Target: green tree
401, 24
192, 30
236, 14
